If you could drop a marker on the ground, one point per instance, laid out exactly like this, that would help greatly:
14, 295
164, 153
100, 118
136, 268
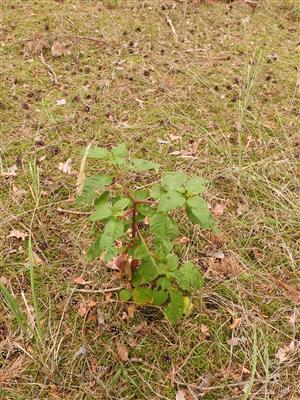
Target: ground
207, 87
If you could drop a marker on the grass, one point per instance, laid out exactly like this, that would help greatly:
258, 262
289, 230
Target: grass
225, 93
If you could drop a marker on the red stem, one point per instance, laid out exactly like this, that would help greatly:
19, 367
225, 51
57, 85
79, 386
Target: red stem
133, 226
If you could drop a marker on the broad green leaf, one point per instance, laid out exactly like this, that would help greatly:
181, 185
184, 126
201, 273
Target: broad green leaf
92, 187
175, 309
141, 194
139, 251
157, 191
148, 270
102, 212
188, 277
159, 297
95, 249
142, 295
163, 226
102, 199
122, 203
140, 165
174, 180
113, 230
125, 294
198, 212
137, 278
195, 185
172, 262
163, 283
162, 247
111, 253
146, 210
170, 200
119, 154
97, 152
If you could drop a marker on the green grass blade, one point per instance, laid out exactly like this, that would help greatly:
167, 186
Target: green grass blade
254, 365
33, 292
14, 307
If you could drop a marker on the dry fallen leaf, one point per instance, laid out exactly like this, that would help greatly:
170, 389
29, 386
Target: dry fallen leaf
184, 240
66, 167
82, 310
17, 193
131, 310
91, 303
142, 327
174, 137
122, 351
80, 281
235, 341
11, 171
216, 254
180, 395
61, 102
3, 280
218, 210
235, 323
81, 352
57, 49
285, 352
14, 233
204, 330
228, 266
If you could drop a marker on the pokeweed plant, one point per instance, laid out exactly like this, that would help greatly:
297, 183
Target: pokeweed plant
138, 231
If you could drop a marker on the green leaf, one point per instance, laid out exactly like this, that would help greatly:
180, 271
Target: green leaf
139, 251
93, 185
162, 247
95, 249
140, 165
148, 270
172, 262
14, 306
142, 295
122, 203
174, 180
157, 191
163, 226
111, 253
170, 200
198, 212
119, 154
137, 278
163, 283
188, 277
146, 210
97, 152
159, 297
102, 212
175, 309
125, 294
113, 230
195, 185
141, 194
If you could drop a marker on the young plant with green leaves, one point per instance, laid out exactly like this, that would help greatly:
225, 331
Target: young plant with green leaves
138, 230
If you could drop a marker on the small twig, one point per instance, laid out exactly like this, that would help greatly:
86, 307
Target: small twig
62, 210
98, 290
170, 23
50, 68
